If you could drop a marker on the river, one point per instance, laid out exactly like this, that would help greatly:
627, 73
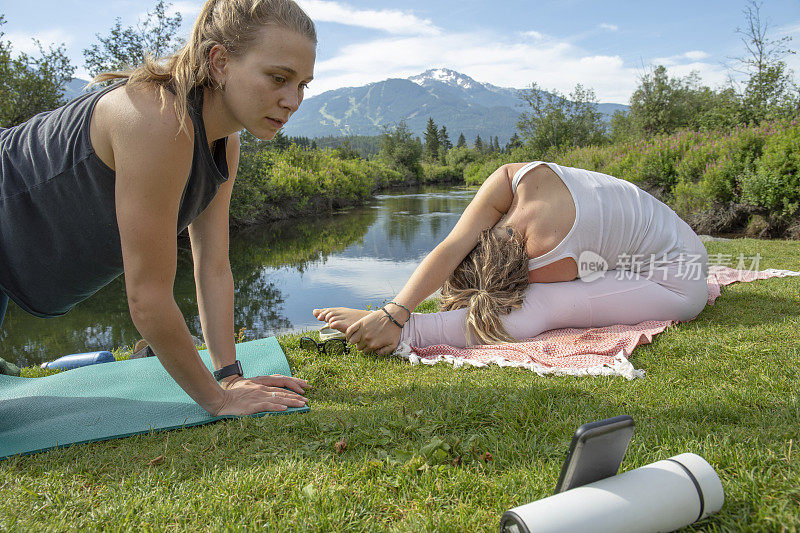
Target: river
281, 271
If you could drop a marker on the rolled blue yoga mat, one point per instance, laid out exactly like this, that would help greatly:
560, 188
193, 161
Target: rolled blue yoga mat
113, 400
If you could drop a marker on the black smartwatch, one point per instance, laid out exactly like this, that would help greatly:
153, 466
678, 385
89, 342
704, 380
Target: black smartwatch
227, 371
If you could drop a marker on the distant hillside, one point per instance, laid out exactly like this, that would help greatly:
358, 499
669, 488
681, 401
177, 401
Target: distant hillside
74, 88
453, 100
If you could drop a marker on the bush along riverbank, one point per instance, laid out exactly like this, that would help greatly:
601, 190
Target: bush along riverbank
291, 182
297, 182
742, 180
289, 178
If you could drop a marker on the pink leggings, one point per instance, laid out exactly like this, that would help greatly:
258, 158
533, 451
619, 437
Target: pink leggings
676, 292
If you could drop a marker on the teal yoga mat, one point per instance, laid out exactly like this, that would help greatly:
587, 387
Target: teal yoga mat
112, 400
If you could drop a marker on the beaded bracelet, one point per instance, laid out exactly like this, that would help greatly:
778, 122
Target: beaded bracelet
395, 322
403, 306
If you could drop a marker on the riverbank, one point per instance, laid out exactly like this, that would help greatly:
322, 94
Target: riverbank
393, 447
294, 182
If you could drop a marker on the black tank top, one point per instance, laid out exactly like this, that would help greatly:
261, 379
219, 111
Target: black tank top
59, 239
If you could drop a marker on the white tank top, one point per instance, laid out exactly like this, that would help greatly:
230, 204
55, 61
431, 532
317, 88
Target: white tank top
614, 219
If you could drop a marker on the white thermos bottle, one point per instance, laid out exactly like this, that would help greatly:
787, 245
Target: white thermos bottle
662, 496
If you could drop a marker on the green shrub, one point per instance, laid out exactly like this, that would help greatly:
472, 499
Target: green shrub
275, 184
775, 183
587, 157
461, 156
695, 162
477, 172
721, 180
433, 173
689, 198
657, 165
622, 162
698, 169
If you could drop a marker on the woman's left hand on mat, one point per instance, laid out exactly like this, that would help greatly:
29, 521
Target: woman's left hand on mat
274, 383
244, 396
374, 333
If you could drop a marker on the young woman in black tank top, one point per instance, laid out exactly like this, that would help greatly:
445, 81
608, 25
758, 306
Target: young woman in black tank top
103, 183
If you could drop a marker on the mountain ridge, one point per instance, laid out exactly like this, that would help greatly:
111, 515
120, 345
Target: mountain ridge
452, 99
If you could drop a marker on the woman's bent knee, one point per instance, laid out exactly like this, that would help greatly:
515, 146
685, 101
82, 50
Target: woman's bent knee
695, 302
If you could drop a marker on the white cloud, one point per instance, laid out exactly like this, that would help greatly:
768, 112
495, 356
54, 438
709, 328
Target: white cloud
23, 42
695, 55
534, 35
680, 59
389, 20
609, 27
485, 56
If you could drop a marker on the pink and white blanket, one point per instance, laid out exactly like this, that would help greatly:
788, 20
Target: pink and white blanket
578, 351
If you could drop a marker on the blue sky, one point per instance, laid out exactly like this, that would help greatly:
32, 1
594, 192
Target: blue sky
555, 43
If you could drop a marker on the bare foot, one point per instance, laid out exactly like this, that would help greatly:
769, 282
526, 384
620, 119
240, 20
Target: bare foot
340, 318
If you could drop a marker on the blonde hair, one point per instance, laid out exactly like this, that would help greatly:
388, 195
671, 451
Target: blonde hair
490, 282
230, 23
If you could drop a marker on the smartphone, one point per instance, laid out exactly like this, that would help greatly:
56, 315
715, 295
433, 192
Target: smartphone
596, 452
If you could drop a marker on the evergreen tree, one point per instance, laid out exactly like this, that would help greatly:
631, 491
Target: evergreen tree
280, 141
444, 139
462, 141
514, 142
401, 150
496, 144
431, 141
303, 142
479, 146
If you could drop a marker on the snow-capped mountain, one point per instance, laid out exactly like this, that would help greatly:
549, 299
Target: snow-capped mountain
446, 76
452, 99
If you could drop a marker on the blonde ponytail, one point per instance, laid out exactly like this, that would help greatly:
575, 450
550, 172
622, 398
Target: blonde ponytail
490, 282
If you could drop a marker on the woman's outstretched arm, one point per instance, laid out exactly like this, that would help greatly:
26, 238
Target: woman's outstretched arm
375, 332
214, 281
152, 164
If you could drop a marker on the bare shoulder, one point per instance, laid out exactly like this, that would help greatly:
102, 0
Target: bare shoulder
513, 168
538, 176
133, 119
538, 170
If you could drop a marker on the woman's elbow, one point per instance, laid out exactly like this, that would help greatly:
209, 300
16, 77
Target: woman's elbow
148, 304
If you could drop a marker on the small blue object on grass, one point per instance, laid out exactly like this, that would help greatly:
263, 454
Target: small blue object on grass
68, 362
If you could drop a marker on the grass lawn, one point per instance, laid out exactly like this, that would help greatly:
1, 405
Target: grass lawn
390, 446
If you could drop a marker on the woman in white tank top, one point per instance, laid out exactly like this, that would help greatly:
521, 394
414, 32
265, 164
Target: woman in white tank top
542, 247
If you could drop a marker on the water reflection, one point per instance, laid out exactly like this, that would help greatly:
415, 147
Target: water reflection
281, 272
